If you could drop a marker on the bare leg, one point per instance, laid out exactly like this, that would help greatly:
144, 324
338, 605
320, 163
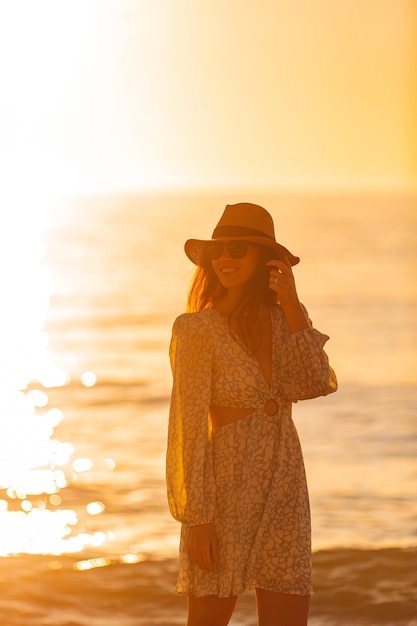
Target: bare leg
281, 609
210, 610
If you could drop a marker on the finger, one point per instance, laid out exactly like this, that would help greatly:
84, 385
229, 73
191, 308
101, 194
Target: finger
208, 556
207, 561
274, 284
279, 266
277, 263
279, 279
276, 274
198, 559
281, 263
201, 556
214, 550
195, 554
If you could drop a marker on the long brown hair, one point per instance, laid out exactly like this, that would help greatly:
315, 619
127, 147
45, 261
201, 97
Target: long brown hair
206, 289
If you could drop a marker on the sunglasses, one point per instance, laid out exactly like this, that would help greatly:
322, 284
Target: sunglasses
236, 249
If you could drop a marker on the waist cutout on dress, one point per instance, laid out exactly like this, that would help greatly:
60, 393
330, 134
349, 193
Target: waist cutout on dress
222, 415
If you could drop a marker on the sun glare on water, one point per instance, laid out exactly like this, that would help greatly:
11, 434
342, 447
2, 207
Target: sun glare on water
34, 466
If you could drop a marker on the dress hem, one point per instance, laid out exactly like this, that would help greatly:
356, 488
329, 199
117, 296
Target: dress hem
250, 587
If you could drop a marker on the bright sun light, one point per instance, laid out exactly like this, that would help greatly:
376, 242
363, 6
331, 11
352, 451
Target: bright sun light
43, 43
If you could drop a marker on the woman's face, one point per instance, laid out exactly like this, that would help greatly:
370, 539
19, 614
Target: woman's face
232, 272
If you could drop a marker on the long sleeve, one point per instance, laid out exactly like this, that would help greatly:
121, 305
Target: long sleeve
189, 469
305, 368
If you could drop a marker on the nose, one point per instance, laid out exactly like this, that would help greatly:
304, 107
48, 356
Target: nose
225, 252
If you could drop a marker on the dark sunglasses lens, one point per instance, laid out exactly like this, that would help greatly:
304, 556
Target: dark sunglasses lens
214, 250
238, 249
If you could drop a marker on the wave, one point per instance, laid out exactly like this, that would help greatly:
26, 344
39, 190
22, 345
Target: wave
105, 393
366, 586
352, 586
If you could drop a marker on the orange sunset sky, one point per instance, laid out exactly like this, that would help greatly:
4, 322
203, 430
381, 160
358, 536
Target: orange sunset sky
107, 95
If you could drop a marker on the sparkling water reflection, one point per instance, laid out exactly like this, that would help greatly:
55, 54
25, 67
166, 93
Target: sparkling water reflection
34, 465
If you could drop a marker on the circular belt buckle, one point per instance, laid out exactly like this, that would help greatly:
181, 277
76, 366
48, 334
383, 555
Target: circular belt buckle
271, 407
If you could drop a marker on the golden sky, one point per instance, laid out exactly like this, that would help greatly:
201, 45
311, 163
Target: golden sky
104, 95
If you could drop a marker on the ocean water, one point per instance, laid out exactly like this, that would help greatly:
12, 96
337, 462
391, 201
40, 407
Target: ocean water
87, 537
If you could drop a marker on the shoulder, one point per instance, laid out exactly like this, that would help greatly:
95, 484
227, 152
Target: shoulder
194, 320
194, 324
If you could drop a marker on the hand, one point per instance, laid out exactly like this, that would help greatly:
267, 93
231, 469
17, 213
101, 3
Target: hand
201, 545
281, 280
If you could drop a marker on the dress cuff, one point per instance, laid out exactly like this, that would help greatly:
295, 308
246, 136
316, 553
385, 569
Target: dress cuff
309, 335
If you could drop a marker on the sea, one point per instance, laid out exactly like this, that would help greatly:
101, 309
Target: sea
90, 289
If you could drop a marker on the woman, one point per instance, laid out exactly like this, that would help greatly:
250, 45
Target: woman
235, 474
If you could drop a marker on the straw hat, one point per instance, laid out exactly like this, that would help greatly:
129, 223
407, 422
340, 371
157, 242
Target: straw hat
242, 221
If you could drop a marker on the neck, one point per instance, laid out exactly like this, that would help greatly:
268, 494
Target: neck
230, 301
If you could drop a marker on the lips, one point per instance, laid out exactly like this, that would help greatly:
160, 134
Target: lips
228, 270
228, 267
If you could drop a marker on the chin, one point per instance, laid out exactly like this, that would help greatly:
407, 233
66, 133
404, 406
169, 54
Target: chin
233, 284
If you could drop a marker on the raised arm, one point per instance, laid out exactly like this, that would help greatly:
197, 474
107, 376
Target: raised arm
304, 366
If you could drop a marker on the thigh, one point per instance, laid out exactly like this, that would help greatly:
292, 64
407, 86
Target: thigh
210, 610
281, 609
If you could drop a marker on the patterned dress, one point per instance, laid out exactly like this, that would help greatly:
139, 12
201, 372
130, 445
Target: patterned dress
247, 478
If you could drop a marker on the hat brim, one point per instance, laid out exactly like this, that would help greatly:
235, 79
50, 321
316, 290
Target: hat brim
194, 248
